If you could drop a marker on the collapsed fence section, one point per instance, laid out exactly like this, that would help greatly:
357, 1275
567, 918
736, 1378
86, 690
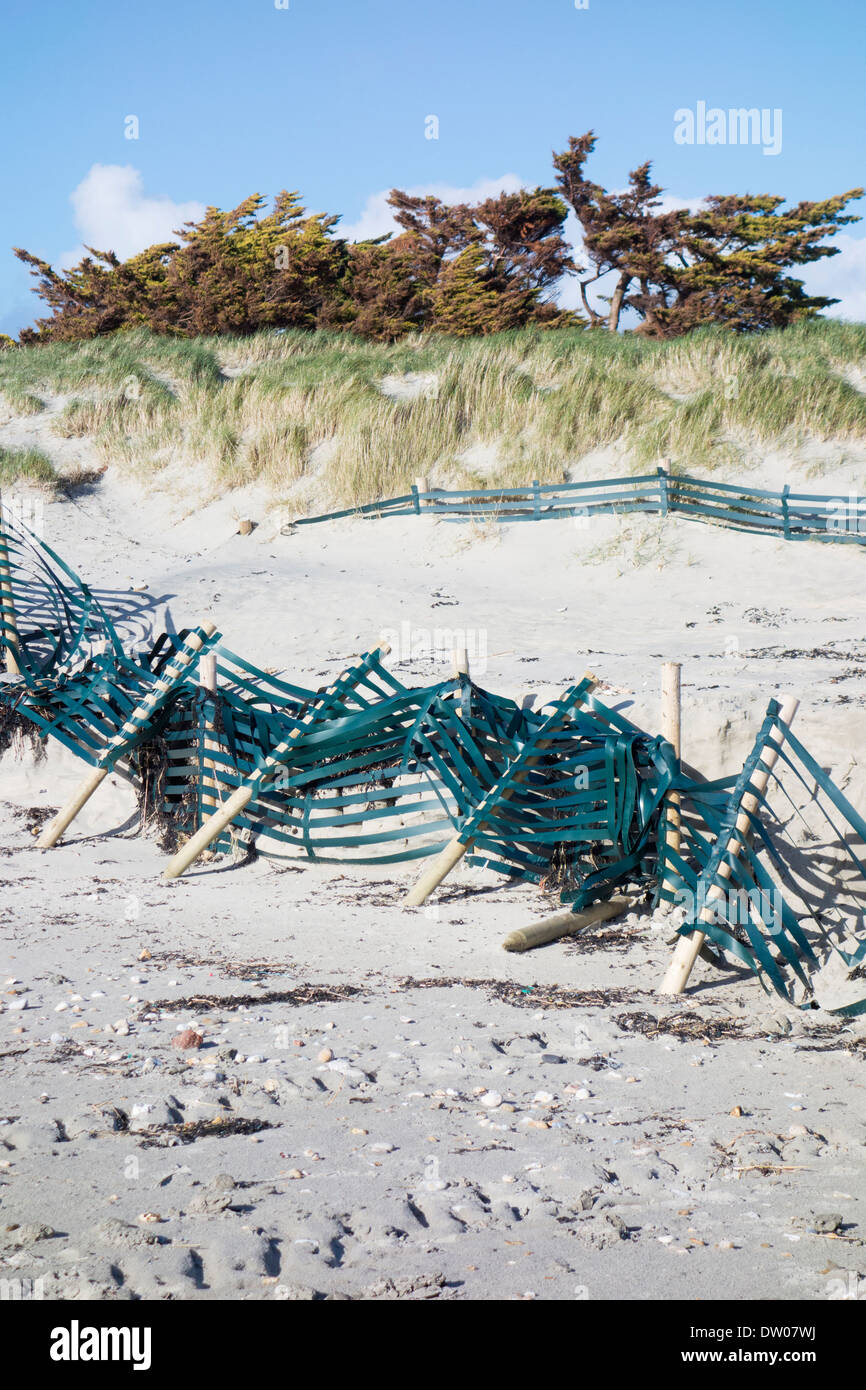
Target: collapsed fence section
573, 797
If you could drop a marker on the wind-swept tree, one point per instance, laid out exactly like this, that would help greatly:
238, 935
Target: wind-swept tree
678, 269
231, 272
99, 295
459, 268
238, 271
462, 269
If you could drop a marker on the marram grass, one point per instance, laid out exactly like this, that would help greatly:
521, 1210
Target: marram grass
532, 402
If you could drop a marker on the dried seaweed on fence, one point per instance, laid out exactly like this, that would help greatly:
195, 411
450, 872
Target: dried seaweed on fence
151, 765
19, 734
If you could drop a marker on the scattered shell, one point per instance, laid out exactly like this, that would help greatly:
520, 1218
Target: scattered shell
188, 1038
491, 1099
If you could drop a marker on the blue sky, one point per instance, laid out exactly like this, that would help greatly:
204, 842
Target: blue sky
331, 97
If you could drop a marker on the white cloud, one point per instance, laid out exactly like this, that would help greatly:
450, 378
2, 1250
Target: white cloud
113, 213
377, 218
843, 277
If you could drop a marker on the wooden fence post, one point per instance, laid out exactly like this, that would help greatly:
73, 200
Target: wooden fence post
663, 471
207, 672
672, 731
785, 521
460, 660
7, 603
688, 948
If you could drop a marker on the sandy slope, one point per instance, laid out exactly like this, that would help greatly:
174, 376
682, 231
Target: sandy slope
613, 1166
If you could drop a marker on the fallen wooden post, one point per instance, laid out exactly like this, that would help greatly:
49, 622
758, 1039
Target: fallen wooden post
131, 728
246, 792
458, 846
688, 948
564, 924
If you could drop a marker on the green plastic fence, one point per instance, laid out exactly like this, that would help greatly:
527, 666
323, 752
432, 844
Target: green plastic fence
792, 515
574, 797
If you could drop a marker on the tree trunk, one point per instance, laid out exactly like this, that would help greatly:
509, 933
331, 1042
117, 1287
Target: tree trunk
616, 302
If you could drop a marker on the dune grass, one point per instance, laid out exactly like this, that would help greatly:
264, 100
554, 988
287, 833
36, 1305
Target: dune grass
255, 409
21, 401
26, 466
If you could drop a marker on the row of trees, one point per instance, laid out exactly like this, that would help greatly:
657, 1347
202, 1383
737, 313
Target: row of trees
458, 268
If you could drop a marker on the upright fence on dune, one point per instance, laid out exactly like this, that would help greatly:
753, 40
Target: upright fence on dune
786, 514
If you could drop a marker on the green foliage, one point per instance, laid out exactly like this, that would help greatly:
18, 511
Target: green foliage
723, 264
242, 271
458, 269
